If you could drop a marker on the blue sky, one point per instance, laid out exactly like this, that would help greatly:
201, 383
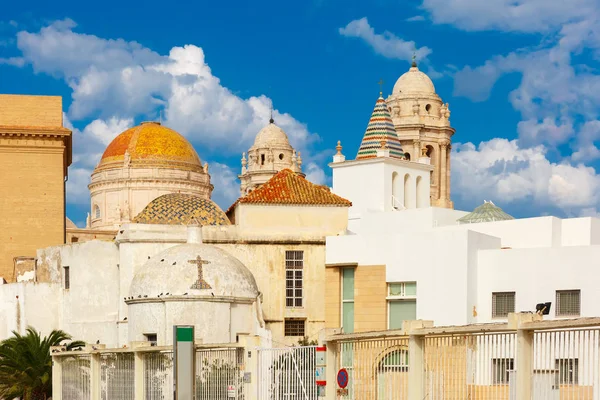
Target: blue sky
521, 77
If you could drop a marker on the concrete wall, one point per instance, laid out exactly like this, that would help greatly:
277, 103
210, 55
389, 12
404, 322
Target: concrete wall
33, 111
540, 273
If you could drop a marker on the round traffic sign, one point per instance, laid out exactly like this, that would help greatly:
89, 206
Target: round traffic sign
342, 378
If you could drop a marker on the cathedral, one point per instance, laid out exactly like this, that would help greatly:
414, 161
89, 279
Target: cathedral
157, 251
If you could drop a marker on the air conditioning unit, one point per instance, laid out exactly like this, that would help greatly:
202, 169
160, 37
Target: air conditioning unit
544, 385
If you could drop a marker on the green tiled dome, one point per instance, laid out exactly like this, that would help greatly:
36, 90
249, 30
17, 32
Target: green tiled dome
182, 209
487, 212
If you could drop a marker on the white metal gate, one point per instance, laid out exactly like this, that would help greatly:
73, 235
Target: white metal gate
219, 374
287, 374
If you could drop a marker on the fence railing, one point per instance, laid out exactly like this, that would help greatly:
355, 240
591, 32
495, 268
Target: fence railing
526, 359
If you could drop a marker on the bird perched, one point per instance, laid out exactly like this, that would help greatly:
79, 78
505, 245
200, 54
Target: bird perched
139, 296
160, 294
213, 295
145, 295
124, 298
162, 259
166, 294
174, 263
98, 341
185, 294
121, 231
148, 257
125, 319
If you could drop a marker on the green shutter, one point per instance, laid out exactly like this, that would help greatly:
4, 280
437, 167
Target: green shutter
402, 311
348, 284
348, 317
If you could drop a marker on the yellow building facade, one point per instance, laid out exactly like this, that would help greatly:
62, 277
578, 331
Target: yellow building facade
35, 152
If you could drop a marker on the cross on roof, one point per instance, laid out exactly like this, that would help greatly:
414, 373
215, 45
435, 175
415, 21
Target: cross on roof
200, 282
380, 83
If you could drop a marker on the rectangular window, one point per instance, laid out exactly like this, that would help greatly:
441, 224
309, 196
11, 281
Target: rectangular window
152, 338
294, 327
348, 300
500, 368
294, 264
568, 371
67, 278
503, 303
402, 303
568, 303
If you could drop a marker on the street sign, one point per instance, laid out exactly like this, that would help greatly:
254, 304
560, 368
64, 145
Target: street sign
320, 376
342, 392
231, 391
342, 378
321, 354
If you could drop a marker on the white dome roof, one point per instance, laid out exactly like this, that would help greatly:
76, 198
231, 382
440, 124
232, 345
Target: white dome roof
271, 135
414, 81
172, 272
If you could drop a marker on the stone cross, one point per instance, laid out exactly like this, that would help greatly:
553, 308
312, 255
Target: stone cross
200, 283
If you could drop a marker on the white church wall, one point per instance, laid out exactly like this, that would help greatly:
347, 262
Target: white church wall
535, 274
520, 233
363, 186
28, 304
90, 305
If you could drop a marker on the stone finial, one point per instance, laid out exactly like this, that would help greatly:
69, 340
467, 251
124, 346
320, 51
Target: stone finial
294, 161
339, 157
415, 108
424, 152
447, 112
299, 162
205, 168
88, 221
126, 159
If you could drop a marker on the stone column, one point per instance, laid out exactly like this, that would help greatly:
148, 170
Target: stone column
448, 173
417, 151
442, 165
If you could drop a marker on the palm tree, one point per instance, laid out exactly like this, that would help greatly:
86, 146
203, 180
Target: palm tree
26, 364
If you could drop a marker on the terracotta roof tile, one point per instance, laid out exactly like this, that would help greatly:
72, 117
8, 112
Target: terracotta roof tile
286, 187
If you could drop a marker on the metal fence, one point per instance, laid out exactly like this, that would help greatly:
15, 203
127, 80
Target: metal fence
76, 373
287, 373
219, 374
566, 365
116, 376
158, 375
472, 366
377, 368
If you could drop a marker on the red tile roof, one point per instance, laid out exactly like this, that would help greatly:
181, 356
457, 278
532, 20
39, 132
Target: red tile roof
286, 187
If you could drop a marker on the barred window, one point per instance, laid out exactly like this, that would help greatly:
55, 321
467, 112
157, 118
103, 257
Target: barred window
503, 303
500, 368
67, 280
294, 264
294, 327
152, 338
568, 302
568, 371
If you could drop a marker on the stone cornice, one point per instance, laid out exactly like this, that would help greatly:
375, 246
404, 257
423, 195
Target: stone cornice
54, 132
209, 298
118, 183
421, 127
375, 160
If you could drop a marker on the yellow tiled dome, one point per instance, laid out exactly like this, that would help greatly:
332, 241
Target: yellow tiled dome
151, 144
182, 209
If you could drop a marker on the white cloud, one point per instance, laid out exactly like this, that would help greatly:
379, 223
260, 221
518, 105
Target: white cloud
227, 188
502, 171
115, 82
416, 18
386, 44
510, 15
315, 174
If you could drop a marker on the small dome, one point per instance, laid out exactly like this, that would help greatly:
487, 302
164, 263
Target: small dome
271, 135
414, 81
182, 209
176, 271
151, 144
487, 212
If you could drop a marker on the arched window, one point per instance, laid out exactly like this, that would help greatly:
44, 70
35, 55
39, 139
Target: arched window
262, 159
409, 195
396, 192
421, 193
96, 212
428, 108
407, 156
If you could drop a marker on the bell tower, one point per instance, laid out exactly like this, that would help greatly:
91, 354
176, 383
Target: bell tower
422, 122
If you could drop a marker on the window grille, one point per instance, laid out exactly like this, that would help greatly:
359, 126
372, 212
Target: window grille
294, 327
96, 212
568, 371
500, 368
67, 280
503, 303
568, 302
294, 264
